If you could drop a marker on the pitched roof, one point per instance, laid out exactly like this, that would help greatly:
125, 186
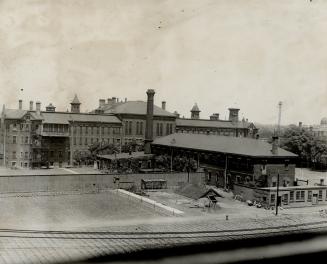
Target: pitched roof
195, 108
222, 144
210, 123
14, 113
75, 100
137, 108
66, 117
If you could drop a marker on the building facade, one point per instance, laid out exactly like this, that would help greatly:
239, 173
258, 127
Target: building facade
34, 138
215, 126
133, 117
320, 131
233, 162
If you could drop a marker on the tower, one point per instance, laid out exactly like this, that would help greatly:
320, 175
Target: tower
149, 122
75, 105
233, 114
195, 112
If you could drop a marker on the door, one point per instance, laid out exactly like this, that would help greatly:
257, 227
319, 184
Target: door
314, 198
285, 199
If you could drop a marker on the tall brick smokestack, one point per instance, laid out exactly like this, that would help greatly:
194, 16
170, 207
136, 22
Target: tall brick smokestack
149, 122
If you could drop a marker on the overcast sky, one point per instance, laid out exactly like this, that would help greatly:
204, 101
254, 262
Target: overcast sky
249, 54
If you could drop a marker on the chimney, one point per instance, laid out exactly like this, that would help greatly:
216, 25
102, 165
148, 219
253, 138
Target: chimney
31, 105
214, 116
20, 104
102, 102
163, 105
233, 114
300, 125
38, 107
274, 149
176, 114
125, 99
149, 122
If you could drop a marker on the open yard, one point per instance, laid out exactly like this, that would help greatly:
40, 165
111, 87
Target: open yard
71, 211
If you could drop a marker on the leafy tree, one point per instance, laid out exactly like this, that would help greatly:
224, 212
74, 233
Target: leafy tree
301, 142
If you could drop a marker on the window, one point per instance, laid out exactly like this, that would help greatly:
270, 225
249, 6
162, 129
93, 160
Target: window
157, 129
171, 128
26, 155
141, 128
291, 196
98, 130
92, 130
26, 140
14, 139
320, 195
309, 196
80, 141
126, 127
102, 130
74, 140
14, 154
286, 164
91, 140
161, 129
21, 155
272, 198
300, 196
86, 130
130, 128
85, 142
137, 128
81, 130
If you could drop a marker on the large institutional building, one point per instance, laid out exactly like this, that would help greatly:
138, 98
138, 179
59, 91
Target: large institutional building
33, 137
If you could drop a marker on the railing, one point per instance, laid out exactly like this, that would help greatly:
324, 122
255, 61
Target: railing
55, 134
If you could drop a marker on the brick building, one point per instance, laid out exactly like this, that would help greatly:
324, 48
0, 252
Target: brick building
320, 131
34, 138
244, 164
215, 126
133, 117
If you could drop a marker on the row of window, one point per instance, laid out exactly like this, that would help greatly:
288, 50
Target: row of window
159, 129
90, 141
205, 131
299, 196
24, 140
23, 155
21, 127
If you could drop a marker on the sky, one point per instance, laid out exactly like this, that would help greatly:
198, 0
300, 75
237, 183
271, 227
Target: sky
216, 53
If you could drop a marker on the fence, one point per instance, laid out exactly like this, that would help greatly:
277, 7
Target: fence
88, 182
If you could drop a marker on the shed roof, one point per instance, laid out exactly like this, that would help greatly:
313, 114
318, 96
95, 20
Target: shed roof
222, 144
134, 155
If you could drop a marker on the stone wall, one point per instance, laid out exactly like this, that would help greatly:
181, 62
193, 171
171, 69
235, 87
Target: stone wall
89, 182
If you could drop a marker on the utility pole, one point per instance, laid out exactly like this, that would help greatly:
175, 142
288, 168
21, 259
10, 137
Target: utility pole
225, 173
279, 119
277, 199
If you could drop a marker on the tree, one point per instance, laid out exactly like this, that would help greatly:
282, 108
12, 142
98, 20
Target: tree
310, 149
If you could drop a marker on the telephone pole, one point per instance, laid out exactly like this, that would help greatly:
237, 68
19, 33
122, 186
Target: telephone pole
279, 118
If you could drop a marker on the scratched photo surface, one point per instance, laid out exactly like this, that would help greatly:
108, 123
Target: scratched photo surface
129, 126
